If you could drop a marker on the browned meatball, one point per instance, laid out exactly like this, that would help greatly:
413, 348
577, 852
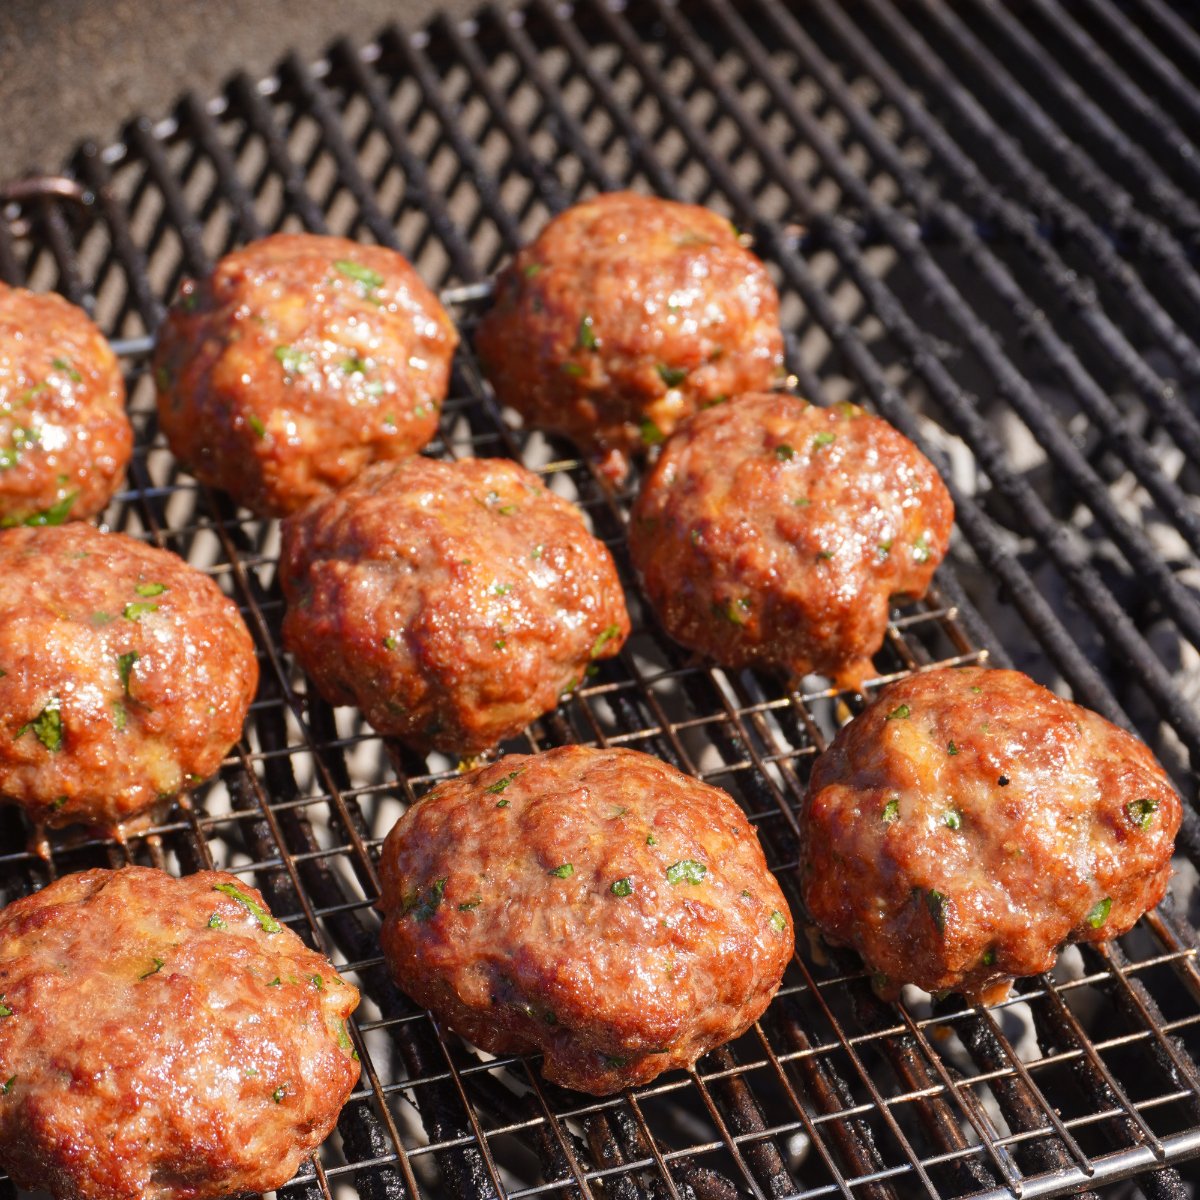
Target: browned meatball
64, 437
774, 532
164, 1039
625, 315
596, 905
125, 674
298, 362
970, 822
452, 602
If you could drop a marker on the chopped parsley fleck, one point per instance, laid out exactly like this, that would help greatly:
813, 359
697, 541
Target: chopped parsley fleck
891, 810
622, 887
150, 589
154, 970
389, 642
424, 906
502, 589
256, 426
951, 749
134, 612
613, 1060
64, 365
1099, 912
125, 666
735, 611
343, 1040
317, 982
371, 281
778, 921
563, 872
671, 376
56, 514
292, 360
502, 803
921, 550
5, 1011
606, 636
278, 1094
937, 908
508, 510
977, 690
500, 644
276, 982
496, 788
1141, 812
822, 439
536, 552
651, 840
651, 434
47, 726
260, 914
884, 548
353, 365
467, 905
8, 1085
573, 369
687, 870
989, 956
587, 334
900, 713
216, 921
952, 819
531, 269
801, 502
784, 452
120, 715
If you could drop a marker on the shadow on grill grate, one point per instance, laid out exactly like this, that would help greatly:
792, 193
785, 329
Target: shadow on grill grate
942, 194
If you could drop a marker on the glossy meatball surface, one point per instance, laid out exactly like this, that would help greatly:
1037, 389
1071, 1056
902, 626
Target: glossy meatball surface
164, 1038
626, 314
771, 531
596, 905
298, 362
452, 602
125, 674
64, 437
970, 822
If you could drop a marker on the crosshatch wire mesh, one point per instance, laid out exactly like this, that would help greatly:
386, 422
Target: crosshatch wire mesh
981, 222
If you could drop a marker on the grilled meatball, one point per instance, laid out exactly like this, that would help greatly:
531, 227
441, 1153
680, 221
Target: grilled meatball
595, 905
298, 362
625, 315
452, 602
970, 822
125, 674
773, 532
64, 437
164, 1039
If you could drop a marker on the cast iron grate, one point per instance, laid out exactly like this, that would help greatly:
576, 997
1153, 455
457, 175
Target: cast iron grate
982, 223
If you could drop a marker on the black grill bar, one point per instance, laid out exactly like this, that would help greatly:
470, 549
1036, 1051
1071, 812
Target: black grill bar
452, 145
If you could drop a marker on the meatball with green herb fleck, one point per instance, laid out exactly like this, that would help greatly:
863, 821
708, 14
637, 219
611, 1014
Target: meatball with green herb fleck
298, 362
772, 532
125, 675
165, 1039
625, 315
597, 906
453, 602
64, 437
969, 822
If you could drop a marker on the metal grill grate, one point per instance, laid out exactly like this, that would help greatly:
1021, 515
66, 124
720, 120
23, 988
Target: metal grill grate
982, 222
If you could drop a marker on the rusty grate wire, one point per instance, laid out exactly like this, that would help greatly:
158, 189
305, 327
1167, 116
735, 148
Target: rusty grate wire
982, 224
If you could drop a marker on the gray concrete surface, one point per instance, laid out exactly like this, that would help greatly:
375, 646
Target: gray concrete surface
73, 69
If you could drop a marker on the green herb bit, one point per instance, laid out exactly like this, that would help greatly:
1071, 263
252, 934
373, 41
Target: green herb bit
622, 887
735, 611
687, 870
824, 555
563, 872
784, 453
353, 365
536, 552
496, 788
423, 907
125, 666
989, 956
531, 269
502, 589
134, 612
613, 1060
1141, 812
216, 921
260, 914
778, 921
884, 548
389, 642
502, 803
467, 905
500, 644
900, 713
292, 360
937, 908
651, 434
154, 970
671, 376
891, 810
921, 550
651, 840
60, 802
801, 502
47, 726
1099, 912
256, 426
822, 439
952, 819
606, 636
951, 749
573, 369
56, 514
317, 982
976, 690
343, 1040
8, 459
5, 1011
150, 589
278, 1094
371, 280
64, 365
276, 982
587, 334
8, 1085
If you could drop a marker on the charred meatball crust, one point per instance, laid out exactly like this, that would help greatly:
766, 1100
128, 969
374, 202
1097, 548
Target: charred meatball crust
164, 1039
595, 905
774, 532
125, 674
969, 822
625, 315
64, 437
300, 360
452, 602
